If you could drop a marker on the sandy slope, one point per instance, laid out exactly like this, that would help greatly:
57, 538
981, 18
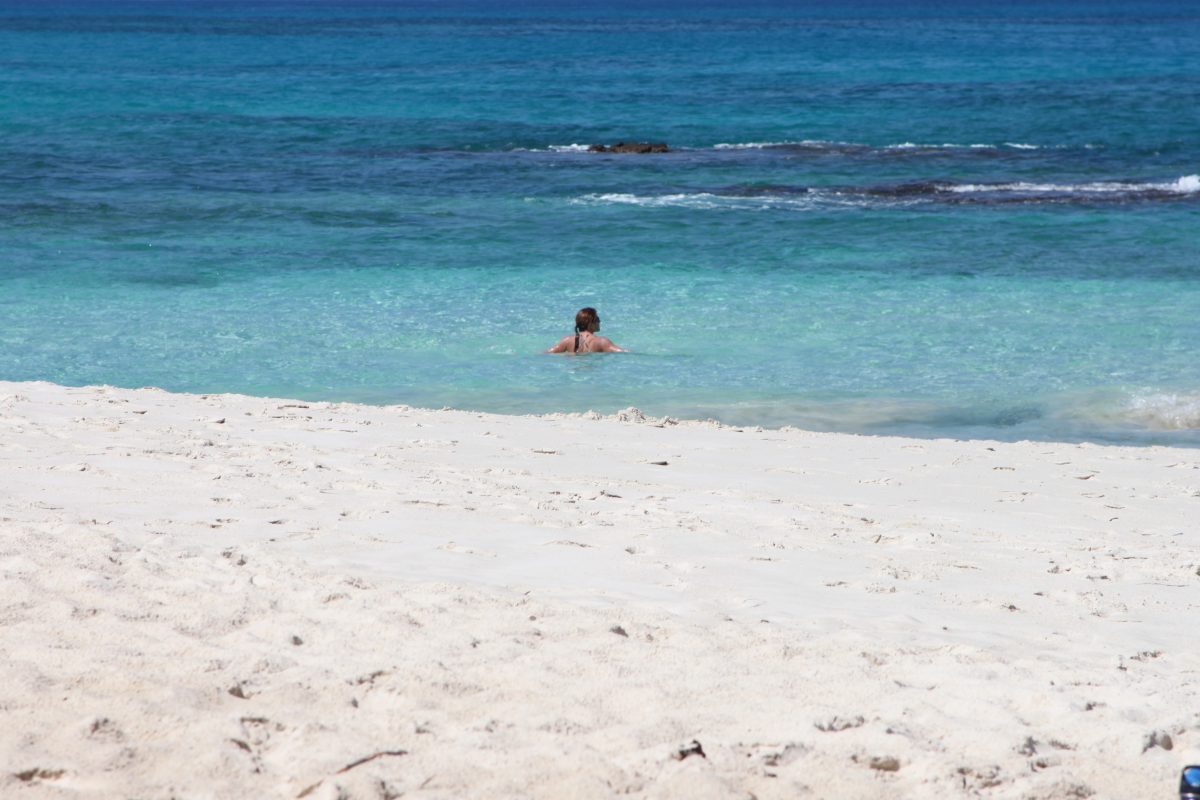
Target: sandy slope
235, 597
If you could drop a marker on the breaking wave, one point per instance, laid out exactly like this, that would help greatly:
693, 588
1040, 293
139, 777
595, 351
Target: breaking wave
817, 146
855, 147
948, 146
1188, 184
711, 200
768, 196
806, 144
1164, 411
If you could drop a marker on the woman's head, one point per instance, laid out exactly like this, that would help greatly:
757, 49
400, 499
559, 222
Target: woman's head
587, 320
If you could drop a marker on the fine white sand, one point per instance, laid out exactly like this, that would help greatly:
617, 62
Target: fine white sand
233, 597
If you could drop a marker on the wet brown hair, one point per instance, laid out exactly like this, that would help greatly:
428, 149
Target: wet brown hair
585, 318
583, 322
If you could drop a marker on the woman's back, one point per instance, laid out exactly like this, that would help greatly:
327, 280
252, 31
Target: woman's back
585, 340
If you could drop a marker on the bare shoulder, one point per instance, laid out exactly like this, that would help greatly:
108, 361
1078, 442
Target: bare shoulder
607, 345
562, 345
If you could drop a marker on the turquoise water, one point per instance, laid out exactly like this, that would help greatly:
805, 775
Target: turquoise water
947, 219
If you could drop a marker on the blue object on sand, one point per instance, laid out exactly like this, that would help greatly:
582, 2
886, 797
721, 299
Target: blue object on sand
1189, 783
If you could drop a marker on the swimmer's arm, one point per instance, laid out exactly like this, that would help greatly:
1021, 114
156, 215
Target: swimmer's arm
561, 346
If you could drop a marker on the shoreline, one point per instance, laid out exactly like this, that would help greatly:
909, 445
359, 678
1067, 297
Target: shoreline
537, 606
1149, 418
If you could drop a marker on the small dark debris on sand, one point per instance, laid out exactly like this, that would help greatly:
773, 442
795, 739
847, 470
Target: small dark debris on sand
838, 724
885, 763
38, 773
689, 750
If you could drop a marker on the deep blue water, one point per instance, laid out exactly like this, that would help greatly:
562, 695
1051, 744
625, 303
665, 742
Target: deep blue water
932, 218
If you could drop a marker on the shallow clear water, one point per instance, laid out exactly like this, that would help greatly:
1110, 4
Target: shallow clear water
943, 220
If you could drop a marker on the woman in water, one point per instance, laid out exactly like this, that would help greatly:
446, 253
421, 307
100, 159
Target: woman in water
585, 340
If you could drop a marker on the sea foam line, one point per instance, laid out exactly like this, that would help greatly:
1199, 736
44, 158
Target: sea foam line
952, 146
817, 144
763, 202
812, 144
877, 197
1187, 184
682, 200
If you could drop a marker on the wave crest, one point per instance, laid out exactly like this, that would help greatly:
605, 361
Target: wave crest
775, 196
1188, 184
829, 146
1164, 411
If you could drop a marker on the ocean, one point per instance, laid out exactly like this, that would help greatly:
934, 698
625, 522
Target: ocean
932, 218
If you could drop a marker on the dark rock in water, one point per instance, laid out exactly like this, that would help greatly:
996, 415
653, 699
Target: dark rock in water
631, 147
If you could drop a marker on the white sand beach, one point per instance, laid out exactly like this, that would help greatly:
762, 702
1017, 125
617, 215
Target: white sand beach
232, 597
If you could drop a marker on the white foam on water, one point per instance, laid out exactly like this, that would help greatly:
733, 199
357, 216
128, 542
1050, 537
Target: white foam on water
816, 198
814, 143
709, 201
976, 146
945, 146
659, 200
1035, 188
694, 200
554, 148
1164, 411
1185, 185
818, 143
